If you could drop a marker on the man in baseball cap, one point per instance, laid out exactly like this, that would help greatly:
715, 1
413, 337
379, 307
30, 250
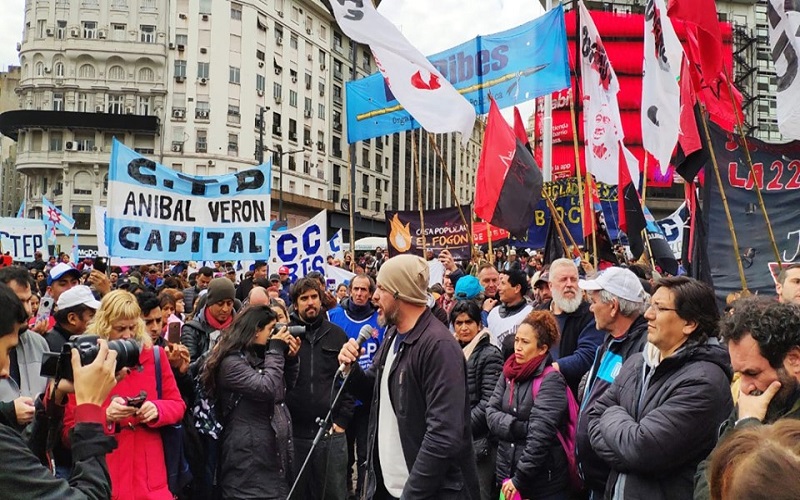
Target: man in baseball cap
76, 308
62, 277
618, 302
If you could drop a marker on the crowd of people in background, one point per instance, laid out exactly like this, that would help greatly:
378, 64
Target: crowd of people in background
507, 376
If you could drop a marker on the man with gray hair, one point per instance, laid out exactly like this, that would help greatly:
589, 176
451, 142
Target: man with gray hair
618, 303
579, 336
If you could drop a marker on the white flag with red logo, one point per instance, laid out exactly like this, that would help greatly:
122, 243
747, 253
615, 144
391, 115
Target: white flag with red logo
601, 120
416, 84
661, 93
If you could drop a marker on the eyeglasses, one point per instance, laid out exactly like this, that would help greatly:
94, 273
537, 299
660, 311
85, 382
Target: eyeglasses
657, 309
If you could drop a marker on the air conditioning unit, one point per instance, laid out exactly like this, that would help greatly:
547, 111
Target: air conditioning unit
293, 136
307, 142
129, 110
308, 31
321, 92
71, 146
203, 81
279, 41
75, 32
47, 70
277, 70
203, 50
310, 57
178, 113
180, 79
307, 113
294, 79
280, 13
205, 17
181, 47
260, 93
203, 113
322, 66
337, 126
181, 15
278, 130
98, 108
308, 86
260, 64
171, 45
49, 32
102, 34
277, 100
177, 147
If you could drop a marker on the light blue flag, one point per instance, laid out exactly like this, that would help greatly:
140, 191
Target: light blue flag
55, 218
513, 66
22, 209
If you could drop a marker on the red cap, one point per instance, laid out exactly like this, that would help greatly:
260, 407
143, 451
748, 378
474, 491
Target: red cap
283, 270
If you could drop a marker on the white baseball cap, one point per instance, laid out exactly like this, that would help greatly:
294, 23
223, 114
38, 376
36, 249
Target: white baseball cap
616, 281
60, 270
76, 296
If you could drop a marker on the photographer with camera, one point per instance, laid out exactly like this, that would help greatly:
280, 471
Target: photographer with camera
249, 373
21, 472
326, 474
134, 412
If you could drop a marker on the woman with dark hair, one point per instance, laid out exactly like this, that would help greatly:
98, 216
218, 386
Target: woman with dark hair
531, 461
484, 364
248, 374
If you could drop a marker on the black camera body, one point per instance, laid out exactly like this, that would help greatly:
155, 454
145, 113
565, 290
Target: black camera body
298, 331
58, 365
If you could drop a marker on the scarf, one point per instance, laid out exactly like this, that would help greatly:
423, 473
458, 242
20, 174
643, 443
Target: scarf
358, 313
518, 373
216, 325
470, 346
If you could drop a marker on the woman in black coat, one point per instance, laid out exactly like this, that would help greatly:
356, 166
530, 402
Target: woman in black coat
248, 373
530, 458
484, 364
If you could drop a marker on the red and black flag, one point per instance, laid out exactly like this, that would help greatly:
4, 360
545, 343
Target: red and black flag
519, 130
631, 215
691, 154
508, 184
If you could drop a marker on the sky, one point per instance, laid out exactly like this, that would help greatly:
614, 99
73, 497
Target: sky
432, 26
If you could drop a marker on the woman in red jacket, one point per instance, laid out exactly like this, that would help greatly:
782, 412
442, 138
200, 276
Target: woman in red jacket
136, 467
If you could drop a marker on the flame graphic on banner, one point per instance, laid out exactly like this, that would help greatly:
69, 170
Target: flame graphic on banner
400, 235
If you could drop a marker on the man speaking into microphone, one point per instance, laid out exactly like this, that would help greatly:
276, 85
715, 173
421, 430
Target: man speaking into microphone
420, 443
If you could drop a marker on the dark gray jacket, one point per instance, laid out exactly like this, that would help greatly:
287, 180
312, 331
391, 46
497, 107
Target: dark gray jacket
658, 421
484, 367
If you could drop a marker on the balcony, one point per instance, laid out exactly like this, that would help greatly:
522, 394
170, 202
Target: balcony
11, 122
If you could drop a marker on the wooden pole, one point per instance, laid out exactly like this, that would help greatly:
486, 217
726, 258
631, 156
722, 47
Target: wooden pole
577, 157
452, 187
644, 180
724, 200
419, 192
557, 220
740, 128
489, 239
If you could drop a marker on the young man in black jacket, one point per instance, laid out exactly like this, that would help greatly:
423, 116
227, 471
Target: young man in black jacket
325, 476
418, 387
22, 474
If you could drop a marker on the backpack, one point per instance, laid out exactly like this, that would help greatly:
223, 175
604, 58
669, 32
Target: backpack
209, 413
566, 434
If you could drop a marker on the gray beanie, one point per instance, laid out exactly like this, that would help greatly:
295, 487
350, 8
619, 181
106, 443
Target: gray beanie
406, 276
218, 290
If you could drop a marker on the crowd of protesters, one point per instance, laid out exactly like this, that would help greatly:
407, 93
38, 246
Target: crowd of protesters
565, 382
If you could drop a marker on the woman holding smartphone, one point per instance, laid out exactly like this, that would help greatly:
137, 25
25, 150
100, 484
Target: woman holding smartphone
248, 374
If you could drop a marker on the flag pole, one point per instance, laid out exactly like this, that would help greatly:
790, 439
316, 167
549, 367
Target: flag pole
724, 199
740, 128
419, 190
489, 239
452, 186
557, 220
578, 162
644, 180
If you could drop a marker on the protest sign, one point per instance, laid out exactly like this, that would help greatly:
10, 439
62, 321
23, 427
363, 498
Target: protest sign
672, 228
444, 229
156, 212
335, 245
302, 249
22, 238
102, 246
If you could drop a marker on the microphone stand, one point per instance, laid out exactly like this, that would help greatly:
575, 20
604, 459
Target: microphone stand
323, 427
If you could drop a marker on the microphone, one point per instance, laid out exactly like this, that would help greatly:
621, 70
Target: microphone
363, 335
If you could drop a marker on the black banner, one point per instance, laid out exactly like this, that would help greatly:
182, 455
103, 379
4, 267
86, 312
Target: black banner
444, 228
777, 168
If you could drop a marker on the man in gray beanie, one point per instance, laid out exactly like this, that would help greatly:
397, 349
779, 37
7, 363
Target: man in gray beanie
201, 333
418, 388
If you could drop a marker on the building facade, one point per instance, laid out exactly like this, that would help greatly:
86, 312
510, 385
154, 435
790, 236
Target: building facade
11, 183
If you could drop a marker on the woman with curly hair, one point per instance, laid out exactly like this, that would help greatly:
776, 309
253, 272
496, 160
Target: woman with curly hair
137, 466
248, 373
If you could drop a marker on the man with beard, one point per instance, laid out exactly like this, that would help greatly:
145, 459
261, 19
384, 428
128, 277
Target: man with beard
489, 279
325, 476
418, 387
788, 286
352, 314
579, 336
504, 320
763, 340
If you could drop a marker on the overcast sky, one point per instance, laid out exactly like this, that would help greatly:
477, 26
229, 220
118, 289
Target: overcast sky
431, 26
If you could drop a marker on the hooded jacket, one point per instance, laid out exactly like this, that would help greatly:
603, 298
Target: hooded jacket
29, 350
659, 420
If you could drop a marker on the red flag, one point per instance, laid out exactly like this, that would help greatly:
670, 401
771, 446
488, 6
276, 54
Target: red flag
690, 155
702, 16
508, 183
520, 131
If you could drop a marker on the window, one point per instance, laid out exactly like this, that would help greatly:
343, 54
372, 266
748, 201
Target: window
308, 106
61, 30
295, 14
233, 144
118, 32
293, 41
115, 105
260, 55
82, 184
337, 69
56, 141
116, 73
86, 71
59, 69
41, 28
323, 32
278, 31
205, 7
261, 83
337, 94
277, 90
293, 98
58, 101
147, 34
143, 105
321, 113
321, 88
337, 147
276, 123
322, 56
233, 74
201, 145
180, 68
236, 11
203, 69
182, 40
308, 81
119, 4
292, 186
148, 4
40, 69
292, 129
234, 115
146, 75
83, 102
83, 216
337, 42
202, 110
90, 29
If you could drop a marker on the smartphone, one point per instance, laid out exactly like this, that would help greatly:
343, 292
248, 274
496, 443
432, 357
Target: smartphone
174, 333
45, 308
101, 264
136, 401
331, 284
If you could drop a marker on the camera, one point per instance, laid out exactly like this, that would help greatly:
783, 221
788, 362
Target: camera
297, 331
58, 365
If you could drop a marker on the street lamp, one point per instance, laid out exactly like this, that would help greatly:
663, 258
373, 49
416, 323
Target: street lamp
280, 155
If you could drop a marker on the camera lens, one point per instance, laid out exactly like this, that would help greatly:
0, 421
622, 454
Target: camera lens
127, 353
